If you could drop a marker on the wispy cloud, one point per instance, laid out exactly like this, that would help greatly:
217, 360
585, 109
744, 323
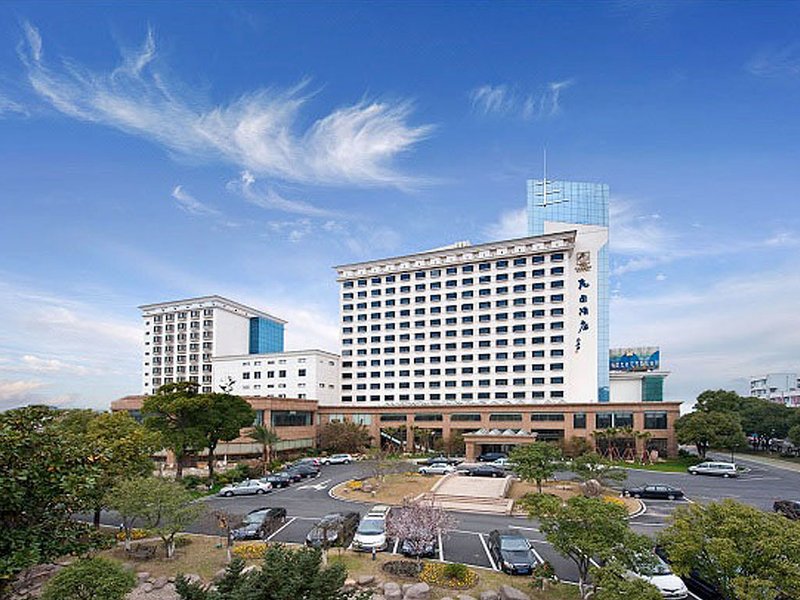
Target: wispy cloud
268, 198
351, 145
506, 100
10, 107
192, 205
512, 224
775, 61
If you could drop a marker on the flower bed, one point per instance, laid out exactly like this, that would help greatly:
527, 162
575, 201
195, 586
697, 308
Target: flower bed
453, 576
250, 550
403, 568
136, 534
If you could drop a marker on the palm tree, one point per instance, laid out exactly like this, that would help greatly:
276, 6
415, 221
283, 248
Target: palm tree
267, 438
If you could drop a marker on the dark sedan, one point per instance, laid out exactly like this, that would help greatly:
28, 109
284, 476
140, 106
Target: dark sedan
414, 549
442, 460
491, 456
260, 523
788, 508
278, 480
337, 528
485, 471
512, 552
293, 475
304, 471
658, 492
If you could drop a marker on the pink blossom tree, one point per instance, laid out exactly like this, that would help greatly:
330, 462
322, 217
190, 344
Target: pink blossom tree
419, 524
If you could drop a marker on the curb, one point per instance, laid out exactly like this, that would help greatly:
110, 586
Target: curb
640, 512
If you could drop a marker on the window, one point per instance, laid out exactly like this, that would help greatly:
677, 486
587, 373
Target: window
428, 417
505, 417
655, 420
291, 418
550, 417
465, 417
579, 421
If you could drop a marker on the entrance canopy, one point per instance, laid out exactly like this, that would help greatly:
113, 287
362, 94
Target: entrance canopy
495, 440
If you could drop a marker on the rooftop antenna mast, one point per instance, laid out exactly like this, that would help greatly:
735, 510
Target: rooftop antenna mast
545, 193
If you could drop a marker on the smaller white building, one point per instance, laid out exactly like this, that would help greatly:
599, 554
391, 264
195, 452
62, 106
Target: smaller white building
781, 388
310, 374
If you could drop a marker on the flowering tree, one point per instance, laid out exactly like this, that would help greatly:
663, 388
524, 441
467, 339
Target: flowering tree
419, 524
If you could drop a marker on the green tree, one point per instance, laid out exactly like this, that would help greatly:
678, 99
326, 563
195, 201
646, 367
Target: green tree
122, 447
757, 416
343, 436
159, 504
746, 553
267, 437
536, 462
43, 482
177, 412
708, 430
284, 574
225, 416
794, 435
586, 529
611, 583
719, 401
90, 579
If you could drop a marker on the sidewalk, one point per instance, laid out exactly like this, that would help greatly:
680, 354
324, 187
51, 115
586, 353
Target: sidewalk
760, 460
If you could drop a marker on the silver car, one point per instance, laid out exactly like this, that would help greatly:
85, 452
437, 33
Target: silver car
720, 469
246, 488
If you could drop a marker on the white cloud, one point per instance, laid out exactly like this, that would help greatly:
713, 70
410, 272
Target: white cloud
352, 145
190, 204
9, 106
271, 200
504, 100
775, 61
17, 392
512, 224
711, 335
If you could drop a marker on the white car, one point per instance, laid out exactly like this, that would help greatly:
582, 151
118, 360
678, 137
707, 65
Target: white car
720, 469
371, 532
660, 575
437, 469
337, 459
246, 487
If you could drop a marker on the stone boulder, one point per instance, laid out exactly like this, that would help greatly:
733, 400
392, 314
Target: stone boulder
392, 591
365, 580
464, 597
418, 591
508, 592
147, 588
159, 583
143, 576
490, 595
195, 578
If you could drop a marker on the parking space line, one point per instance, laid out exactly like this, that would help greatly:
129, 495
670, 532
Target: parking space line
524, 528
441, 548
396, 544
488, 554
289, 521
536, 554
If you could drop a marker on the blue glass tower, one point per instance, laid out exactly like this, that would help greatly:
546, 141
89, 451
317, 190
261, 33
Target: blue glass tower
265, 336
580, 204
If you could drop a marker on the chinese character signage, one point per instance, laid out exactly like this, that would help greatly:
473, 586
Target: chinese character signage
583, 311
643, 358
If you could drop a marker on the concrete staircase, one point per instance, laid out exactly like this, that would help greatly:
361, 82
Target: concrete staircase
471, 494
477, 504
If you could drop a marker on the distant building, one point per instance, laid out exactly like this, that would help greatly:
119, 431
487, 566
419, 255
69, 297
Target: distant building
182, 337
781, 388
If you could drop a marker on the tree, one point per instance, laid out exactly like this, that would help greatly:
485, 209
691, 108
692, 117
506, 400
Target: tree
794, 435
746, 553
161, 505
587, 529
536, 462
90, 579
593, 467
612, 584
708, 430
420, 524
343, 436
223, 419
43, 482
760, 417
177, 412
284, 574
122, 447
267, 438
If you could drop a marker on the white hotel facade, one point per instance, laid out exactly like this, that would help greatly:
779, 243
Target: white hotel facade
508, 322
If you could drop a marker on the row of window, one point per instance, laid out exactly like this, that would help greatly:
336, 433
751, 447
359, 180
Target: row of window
435, 310
207, 324
485, 343
554, 339
194, 314
271, 374
535, 395
466, 383
481, 267
466, 319
469, 281
437, 372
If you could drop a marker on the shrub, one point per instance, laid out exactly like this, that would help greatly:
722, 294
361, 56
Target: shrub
456, 571
192, 482
437, 574
250, 550
136, 534
90, 579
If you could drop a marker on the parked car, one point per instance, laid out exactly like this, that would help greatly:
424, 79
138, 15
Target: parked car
337, 459
246, 487
695, 582
278, 480
491, 456
311, 460
788, 508
294, 476
338, 528
658, 491
484, 471
512, 552
659, 574
260, 523
304, 470
503, 463
428, 550
371, 532
720, 469
446, 460
437, 469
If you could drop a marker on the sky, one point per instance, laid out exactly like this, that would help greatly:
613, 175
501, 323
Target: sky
157, 151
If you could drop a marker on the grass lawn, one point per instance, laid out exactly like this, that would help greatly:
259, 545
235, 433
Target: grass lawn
394, 488
669, 465
566, 490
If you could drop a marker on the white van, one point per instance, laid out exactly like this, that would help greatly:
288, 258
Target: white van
371, 532
720, 469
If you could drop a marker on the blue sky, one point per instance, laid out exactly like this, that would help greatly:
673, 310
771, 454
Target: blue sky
154, 151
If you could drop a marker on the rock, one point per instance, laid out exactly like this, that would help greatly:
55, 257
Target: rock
195, 578
418, 591
219, 574
378, 597
249, 569
143, 576
464, 597
349, 584
159, 583
446, 598
490, 595
147, 588
406, 586
508, 592
366, 580
392, 591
